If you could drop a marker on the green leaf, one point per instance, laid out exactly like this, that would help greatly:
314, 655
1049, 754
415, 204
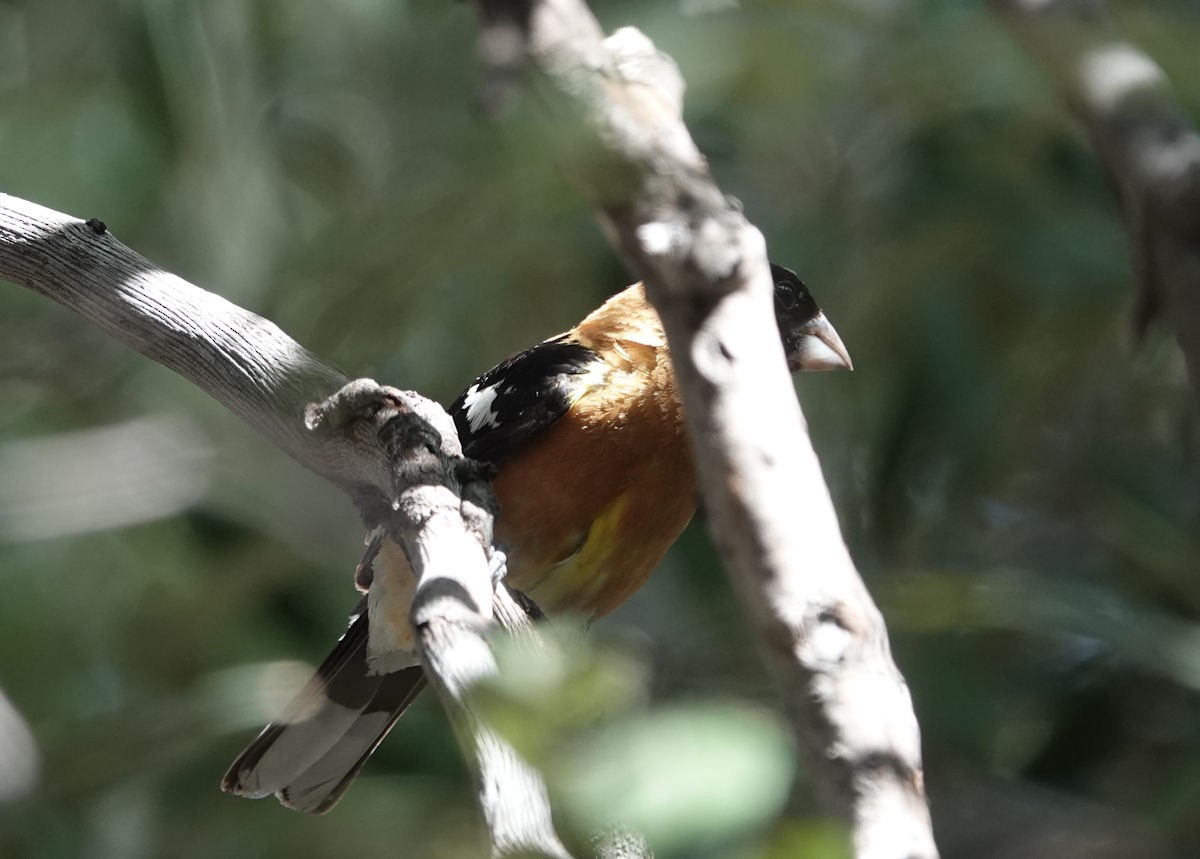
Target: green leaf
682, 777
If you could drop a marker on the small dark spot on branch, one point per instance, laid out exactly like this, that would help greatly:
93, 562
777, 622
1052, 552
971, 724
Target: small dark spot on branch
97, 226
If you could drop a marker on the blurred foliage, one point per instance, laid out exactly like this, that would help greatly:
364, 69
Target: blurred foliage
1016, 478
692, 779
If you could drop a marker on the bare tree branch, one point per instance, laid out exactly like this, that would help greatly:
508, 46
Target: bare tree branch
1145, 141
441, 512
241, 359
395, 452
706, 271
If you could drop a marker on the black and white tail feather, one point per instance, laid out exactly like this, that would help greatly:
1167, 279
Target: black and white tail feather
309, 756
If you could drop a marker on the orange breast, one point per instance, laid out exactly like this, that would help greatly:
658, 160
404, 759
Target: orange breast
615, 488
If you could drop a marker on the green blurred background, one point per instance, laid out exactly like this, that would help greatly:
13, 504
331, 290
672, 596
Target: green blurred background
1017, 479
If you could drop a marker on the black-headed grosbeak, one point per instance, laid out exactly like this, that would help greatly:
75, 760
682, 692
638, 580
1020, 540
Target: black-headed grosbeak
595, 482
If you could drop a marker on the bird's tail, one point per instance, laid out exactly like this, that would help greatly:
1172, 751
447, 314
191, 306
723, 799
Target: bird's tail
311, 755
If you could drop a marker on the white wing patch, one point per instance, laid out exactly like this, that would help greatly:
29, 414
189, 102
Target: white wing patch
478, 402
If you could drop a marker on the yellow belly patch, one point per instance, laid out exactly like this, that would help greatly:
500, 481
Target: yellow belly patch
615, 559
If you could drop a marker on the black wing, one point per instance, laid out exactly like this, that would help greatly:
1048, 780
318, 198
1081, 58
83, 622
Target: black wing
514, 401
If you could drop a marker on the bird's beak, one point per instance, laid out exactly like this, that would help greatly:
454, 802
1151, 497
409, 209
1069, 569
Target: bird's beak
817, 346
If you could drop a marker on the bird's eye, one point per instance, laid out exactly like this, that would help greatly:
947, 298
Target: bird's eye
785, 295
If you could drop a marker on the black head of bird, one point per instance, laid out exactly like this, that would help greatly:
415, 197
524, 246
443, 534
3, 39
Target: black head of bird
809, 340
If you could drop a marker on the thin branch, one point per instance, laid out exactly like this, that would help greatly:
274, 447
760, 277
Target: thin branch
769, 509
395, 452
441, 512
1144, 140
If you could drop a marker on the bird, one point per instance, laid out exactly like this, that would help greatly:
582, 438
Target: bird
595, 481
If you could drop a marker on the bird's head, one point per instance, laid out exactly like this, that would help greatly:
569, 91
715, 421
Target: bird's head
809, 341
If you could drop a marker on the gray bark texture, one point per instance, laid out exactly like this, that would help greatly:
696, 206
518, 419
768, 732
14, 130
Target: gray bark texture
770, 513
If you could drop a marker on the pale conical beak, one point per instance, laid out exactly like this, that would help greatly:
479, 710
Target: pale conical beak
817, 346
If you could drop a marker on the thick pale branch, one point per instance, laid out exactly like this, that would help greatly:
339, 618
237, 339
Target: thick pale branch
1144, 140
408, 474
241, 359
706, 270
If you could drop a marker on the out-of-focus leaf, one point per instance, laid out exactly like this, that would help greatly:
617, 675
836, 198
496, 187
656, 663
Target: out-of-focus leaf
549, 691
683, 776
